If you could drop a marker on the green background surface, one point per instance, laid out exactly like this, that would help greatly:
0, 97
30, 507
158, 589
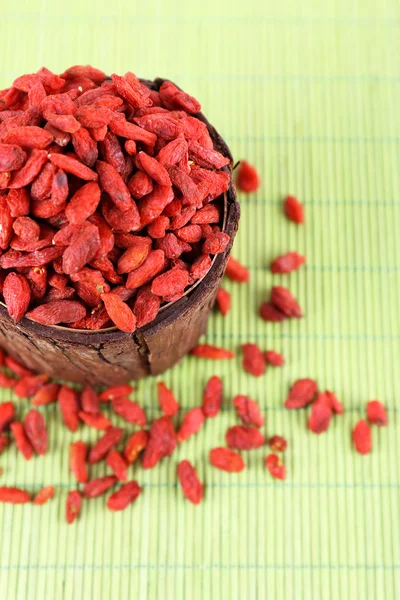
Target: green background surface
310, 92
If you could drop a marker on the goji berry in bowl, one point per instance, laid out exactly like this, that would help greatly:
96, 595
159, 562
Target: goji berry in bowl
117, 217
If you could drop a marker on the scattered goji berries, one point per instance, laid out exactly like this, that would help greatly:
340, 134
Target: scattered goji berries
226, 460
291, 261
294, 210
14, 495
248, 179
98, 487
283, 300
86, 161
167, 401
236, 271
212, 397
77, 461
301, 393
362, 437
117, 464
274, 358
35, 429
253, 360
275, 466
248, 411
123, 497
111, 438
162, 442
241, 437
223, 300
191, 424
376, 413
44, 495
191, 485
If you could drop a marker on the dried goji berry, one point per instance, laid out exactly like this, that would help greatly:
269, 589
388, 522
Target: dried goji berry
236, 271
119, 312
291, 261
158, 227
73, 506
130, 411
83, 203
29, 385
200, 267
362, 437
7, 414
112, 183
191, 485
206, 157
35, 429
14, 495
6, 382
153, 264
376, 413
77, 461
284, 300
173, 152
241, 437
73, 166
167, 401
212, 397
248, 411
135, 445
97, 421
111, 438
17, 295
223, 300
127, 494
174, 98
277, 443
28, 137
275, 466
57, 311
116, 391
191, 424
226, 460
248, 179
253, 360
162, 442
12, 157
216, 243
89, 400
98, 487
21, 440
18, 201
170, 283
270, 313
172, 246
212, 352
135, 255
117, 464
320, 417
301, 393
294, 210
68, 401
274, 358
44, 495
28, 172
145, 306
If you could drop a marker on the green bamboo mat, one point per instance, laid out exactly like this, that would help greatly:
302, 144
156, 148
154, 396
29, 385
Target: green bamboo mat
309, 92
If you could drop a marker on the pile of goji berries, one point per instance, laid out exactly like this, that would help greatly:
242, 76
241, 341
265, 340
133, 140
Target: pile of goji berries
107, 193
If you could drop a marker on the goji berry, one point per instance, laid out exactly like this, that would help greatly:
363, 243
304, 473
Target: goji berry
29, 385
83, 203
216, 243
57, 311
146, 306
77, 461
362, 437
97, 421
35, 429
236, 271
68, 401
111, 438
320, 417
241, 437
191, 485
170, 283
21, 440
200, 267
248, 411
335, 404
89, 401
248, 179
117, 464
301, 393
191, 424
223, 300
119, 312
212, 352
294, 210
153, 264
98, 487
277, 443
73, 506
12, 157
270, 313
274, 358
14, 495
135, 255
127, 494
376, 413
275, 466
212, 397
73, 166
17, 295
135, 445
284, 300
28, 136
162, 442
44, 495
167, 401
226, 460
116, 391
253, 360
130, 411
291, 261
6, 382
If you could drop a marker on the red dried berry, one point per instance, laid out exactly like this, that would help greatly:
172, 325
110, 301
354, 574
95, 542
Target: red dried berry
236, 271
284, 300
117, 464
116, 391
21, 440
119, 312
29, 385
275, 466
191, 424
44, 495
135, 445
162, 442
294, 210
212, 352
170, 283
362, 437
248, 411
191, 485
111, 438
77, 461
223, 300
57, 311
97, 421
216, 243
226, 460
376, 413
270, 313
124, 496
130, 411
291, 261
35, 429
212, 397
68, 401
13, 495
73, 506
248, 179
333, 402
320, 416
167, 401
253, 360
301, 393
277, 443
241, 437
98, 487
274, 358
17, 295
7, 414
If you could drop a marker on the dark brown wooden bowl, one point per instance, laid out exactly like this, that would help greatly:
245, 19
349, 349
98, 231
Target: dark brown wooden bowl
109, 357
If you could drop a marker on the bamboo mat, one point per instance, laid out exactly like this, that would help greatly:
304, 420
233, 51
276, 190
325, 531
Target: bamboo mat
310, 93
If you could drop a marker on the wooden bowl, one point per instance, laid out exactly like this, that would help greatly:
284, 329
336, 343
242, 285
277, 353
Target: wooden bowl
109, 357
